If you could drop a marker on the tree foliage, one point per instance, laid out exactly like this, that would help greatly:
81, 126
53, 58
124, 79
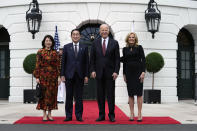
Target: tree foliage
154, 62
29, 63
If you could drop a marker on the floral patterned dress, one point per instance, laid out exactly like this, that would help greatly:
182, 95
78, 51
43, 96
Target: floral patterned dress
47, 71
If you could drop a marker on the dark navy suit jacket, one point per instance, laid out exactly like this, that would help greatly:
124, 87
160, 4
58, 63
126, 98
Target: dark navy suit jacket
110, 62
72, 64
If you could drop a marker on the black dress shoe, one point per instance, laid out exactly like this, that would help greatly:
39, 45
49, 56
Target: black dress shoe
79, 119
131, 119
139, 120
68, 119
44, 120
112, 119
50, 119
100, 119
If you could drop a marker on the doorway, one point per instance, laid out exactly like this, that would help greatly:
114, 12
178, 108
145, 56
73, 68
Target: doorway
4, 64
185, 65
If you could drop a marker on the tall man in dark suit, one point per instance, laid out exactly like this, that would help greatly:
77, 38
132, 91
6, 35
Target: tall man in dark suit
75, 61
104, 66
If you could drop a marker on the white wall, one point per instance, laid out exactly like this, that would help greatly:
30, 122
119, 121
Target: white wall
119, 15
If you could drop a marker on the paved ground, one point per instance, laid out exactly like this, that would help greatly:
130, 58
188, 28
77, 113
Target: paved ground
183, 111
185, 127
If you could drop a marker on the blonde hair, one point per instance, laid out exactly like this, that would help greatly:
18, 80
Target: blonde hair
127, 39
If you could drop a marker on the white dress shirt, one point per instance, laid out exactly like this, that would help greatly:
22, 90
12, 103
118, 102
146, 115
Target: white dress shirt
106, 42
77, 46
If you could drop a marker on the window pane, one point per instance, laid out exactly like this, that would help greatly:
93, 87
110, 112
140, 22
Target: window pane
182, 74
30, 24
187, 74
2, 69
88, 30
2, 75
187, 65
156, 23
187, 54
183, 65
182, 55
2, 64
2, 55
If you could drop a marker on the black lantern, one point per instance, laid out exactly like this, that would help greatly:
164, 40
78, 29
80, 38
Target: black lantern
152, 17
33, 17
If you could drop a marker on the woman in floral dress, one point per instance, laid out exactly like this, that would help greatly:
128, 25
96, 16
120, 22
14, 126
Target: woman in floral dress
46, 73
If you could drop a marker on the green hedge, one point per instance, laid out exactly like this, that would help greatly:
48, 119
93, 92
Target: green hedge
154, 62
29, 63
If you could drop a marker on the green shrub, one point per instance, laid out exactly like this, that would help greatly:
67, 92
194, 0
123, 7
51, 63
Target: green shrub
29, 63
154, 63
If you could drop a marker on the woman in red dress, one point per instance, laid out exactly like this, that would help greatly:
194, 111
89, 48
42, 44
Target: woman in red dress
46, 73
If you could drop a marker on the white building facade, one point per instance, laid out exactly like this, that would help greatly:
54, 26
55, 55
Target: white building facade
178, 25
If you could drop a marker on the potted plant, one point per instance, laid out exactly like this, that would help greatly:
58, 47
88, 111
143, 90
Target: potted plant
29, 64
154, 63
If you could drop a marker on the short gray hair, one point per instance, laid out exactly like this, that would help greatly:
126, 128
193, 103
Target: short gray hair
104, 25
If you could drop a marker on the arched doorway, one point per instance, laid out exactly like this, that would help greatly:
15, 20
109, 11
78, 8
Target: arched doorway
4, 63
185, 65
90, 32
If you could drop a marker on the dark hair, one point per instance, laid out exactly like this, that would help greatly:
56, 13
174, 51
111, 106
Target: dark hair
51, 38
75, 30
